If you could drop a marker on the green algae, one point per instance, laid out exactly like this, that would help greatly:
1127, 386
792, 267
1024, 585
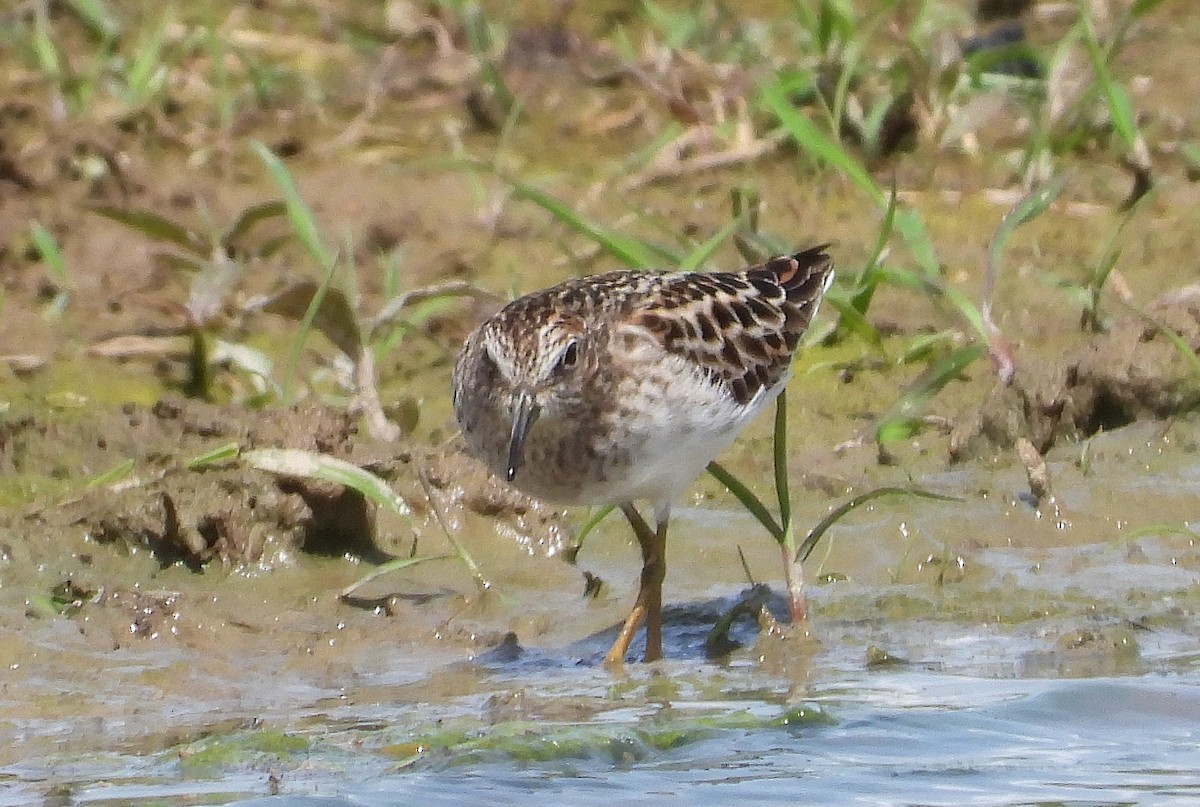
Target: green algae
467, 742
209, 756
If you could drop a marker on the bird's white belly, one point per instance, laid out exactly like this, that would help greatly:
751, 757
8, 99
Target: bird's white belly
675, 443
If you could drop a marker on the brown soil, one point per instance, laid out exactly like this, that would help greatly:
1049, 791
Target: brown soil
1130, 373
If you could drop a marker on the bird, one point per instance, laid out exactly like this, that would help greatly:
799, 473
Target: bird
621, 387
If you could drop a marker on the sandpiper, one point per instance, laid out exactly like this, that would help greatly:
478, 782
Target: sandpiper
623, 386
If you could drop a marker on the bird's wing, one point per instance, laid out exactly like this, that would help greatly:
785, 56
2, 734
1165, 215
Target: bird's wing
740, 328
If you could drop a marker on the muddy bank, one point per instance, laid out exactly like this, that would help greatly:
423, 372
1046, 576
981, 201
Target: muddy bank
1143, 368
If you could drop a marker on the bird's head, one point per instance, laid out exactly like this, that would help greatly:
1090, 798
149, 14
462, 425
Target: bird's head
526, 368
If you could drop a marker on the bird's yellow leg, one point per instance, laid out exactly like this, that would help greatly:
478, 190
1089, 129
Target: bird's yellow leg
648, 606
654, 571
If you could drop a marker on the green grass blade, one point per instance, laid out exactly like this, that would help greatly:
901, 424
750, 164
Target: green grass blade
1141, 7
1032, 205
850, 58
1191, 157
460, 549
146, 73
965, 307
387, 568
56, 268
1113, 247
906, 279
220, 454
304, 224
815, 534
595, 520
1154, 531
252, 216
630, 251
868, 278
49, 252
911, 227
299, 213
154, 227
901, 420
751, 502
938, 288
592, 523
779, 444
698, 257
119, 471
922, 346
94, 15
817, 143
332, 314
311, 465
1181, 345
1120, 109
306, 326
852, 320
479, 42
45, 51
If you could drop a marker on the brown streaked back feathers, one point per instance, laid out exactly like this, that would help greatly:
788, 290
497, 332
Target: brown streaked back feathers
741, 328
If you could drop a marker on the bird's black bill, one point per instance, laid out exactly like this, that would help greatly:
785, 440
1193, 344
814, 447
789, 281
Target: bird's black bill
524, 413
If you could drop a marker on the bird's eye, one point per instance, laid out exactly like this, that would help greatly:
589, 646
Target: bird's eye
570, 356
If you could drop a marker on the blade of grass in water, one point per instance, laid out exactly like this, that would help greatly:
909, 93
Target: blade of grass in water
387, 568
460, 550
779, 443
594, 522
816, 533
748, 500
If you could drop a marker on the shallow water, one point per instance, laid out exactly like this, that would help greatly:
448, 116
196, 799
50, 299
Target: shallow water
978, 652
910, 737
